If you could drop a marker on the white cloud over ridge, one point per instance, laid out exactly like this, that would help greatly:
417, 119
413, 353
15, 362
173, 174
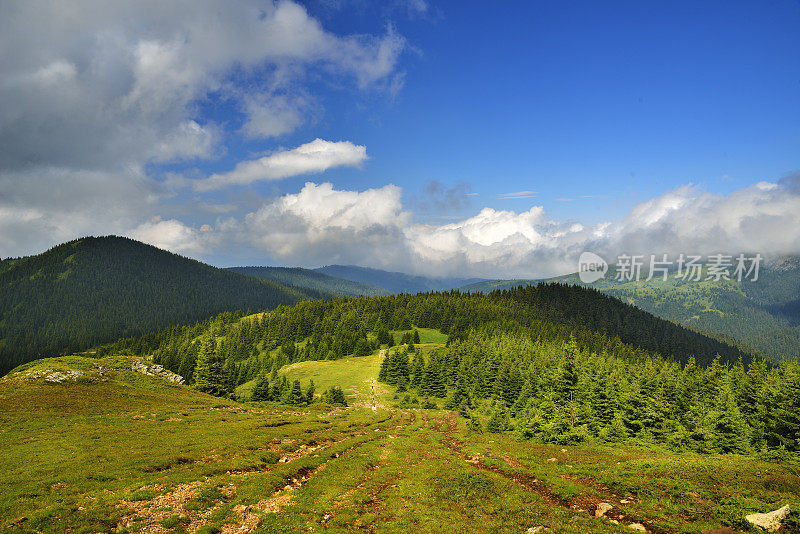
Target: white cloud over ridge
317, 156
321, 225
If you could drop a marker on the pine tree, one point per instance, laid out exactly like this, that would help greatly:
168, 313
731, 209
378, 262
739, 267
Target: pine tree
295, 395
415, 339
209, 373
728, 427
498, 422
310, 392
261, 389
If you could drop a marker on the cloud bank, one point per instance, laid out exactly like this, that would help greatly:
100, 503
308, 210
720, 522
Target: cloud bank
321, 224
96, 94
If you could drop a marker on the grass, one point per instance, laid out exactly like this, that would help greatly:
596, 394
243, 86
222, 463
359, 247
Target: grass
135, 451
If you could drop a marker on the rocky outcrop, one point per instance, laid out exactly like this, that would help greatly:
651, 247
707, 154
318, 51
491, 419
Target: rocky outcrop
156, 370
602, 509
52, 376
771, 521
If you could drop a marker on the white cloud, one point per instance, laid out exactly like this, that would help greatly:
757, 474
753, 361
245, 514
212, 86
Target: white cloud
95, 92
99, 84
274, 115
516, 195
317, 156
323, 225
172, 235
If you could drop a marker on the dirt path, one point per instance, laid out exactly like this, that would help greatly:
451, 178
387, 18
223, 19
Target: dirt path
578, 503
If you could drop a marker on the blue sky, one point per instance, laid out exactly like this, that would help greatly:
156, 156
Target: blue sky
618, 102
602, 112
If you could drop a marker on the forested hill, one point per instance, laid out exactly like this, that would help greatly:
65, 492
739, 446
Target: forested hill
98, 289
590, 309
310, 279
328, 330
394, 282
763, 314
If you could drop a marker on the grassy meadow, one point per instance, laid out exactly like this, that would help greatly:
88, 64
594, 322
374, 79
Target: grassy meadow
117, 451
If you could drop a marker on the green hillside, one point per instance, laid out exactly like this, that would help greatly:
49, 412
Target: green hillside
98, 289
310, 279
764, 314
118, 451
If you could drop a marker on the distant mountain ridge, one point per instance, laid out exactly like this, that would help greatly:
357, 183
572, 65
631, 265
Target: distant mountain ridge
395, 282
97, 289
310, 279
764, 314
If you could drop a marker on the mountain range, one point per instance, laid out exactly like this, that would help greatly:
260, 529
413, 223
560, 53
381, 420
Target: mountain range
95, 290
764, 314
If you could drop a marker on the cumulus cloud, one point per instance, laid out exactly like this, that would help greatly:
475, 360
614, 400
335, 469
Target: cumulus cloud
43, 206
172, 235
321, 224
98, 92
124, 75
317, 156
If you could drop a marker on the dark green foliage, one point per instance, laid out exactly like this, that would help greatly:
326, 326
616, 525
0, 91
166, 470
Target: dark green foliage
261, 389
310, 390
763, 314
590, 309
395, 368
210, 374
498, 422
334, 396
294, 395
558, 383
362, 348
96, 290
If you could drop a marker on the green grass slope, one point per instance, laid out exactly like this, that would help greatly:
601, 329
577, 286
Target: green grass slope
309, 279
98, 289
116, 451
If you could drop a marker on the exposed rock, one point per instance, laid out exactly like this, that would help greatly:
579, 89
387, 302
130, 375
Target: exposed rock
552, 459
602, 509
57, 377
537, 530
156, 370
50, 375
638, 526
771, 521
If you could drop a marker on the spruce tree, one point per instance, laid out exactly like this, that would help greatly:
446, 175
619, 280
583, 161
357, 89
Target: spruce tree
261, 389
498, 422
295, 395
728, 427
209, 373
310, 390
